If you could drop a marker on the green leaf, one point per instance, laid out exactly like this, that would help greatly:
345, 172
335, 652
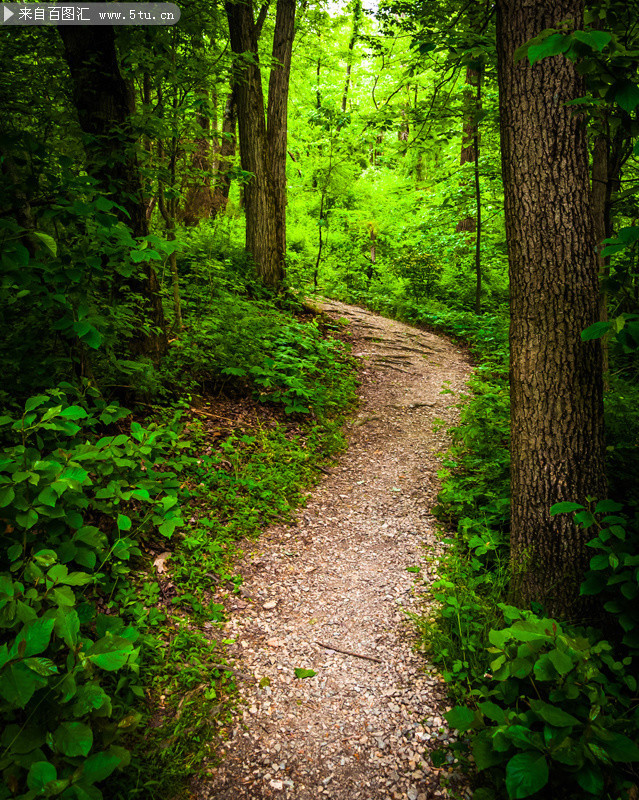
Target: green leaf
73, 412
18, 683
553, 45
35, 635
63, 596
41, 666
562, 663
110, 652
483, 752
304, 673
40, 774
595, 331
564, 508
600, 561
7, 496
493, 711
608, 507
590, 779
124, 522
48, 497
67, 626
101, 765
460, 717
27, 520
73, 739
553, 715
23, 739
48, 241
597, 40
90, 698
627, 95
526, 773
36, 401
621, 748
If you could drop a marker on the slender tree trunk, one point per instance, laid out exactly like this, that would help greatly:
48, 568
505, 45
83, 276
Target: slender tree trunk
222, 185
478, 231
104, 105
320, 241
277, 113
357, 18
469, 151
169, 211
556, 385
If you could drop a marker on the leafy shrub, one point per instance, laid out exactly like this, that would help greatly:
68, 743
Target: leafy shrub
72, 507
302, 370
556, 711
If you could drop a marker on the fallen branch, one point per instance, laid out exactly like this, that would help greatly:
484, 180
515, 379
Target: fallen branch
348, 652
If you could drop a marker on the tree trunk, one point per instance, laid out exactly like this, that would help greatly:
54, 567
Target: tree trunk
478, 275
198, 197
104, 105
277, 113
222, 185
556, 385
262, 191
601, 216
470, 138
357, 18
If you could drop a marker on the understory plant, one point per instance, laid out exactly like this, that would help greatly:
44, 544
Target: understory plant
73, 506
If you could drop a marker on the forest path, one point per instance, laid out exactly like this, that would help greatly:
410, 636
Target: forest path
338, 576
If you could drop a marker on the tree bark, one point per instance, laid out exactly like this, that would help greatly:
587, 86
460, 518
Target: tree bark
262, 150
277, 113
104, 105
601, 217
222, 184
357, 18
197, 193
470, 139
557, 446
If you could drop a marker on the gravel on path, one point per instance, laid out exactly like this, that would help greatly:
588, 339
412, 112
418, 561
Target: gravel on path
360, 728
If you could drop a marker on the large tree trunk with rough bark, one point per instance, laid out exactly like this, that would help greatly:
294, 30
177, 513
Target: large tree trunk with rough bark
556, 384
104, 104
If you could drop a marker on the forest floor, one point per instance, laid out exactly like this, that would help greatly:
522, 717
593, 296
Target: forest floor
330, 593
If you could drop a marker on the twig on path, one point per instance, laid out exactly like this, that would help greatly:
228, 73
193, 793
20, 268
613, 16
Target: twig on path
226, 668
348, 652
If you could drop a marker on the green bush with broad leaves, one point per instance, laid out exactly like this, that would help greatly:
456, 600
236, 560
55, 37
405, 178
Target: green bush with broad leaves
72, 507
614, 570
302, 371
557, 710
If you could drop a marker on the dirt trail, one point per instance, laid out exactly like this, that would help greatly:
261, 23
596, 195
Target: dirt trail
360, 728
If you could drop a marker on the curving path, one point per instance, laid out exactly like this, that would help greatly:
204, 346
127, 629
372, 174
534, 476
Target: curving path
361, 728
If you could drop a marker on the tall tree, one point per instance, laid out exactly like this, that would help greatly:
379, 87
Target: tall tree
104, 104
262, 147
556, 383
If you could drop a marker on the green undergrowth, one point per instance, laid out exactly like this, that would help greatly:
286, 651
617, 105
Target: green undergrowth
120, 532
548, 708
